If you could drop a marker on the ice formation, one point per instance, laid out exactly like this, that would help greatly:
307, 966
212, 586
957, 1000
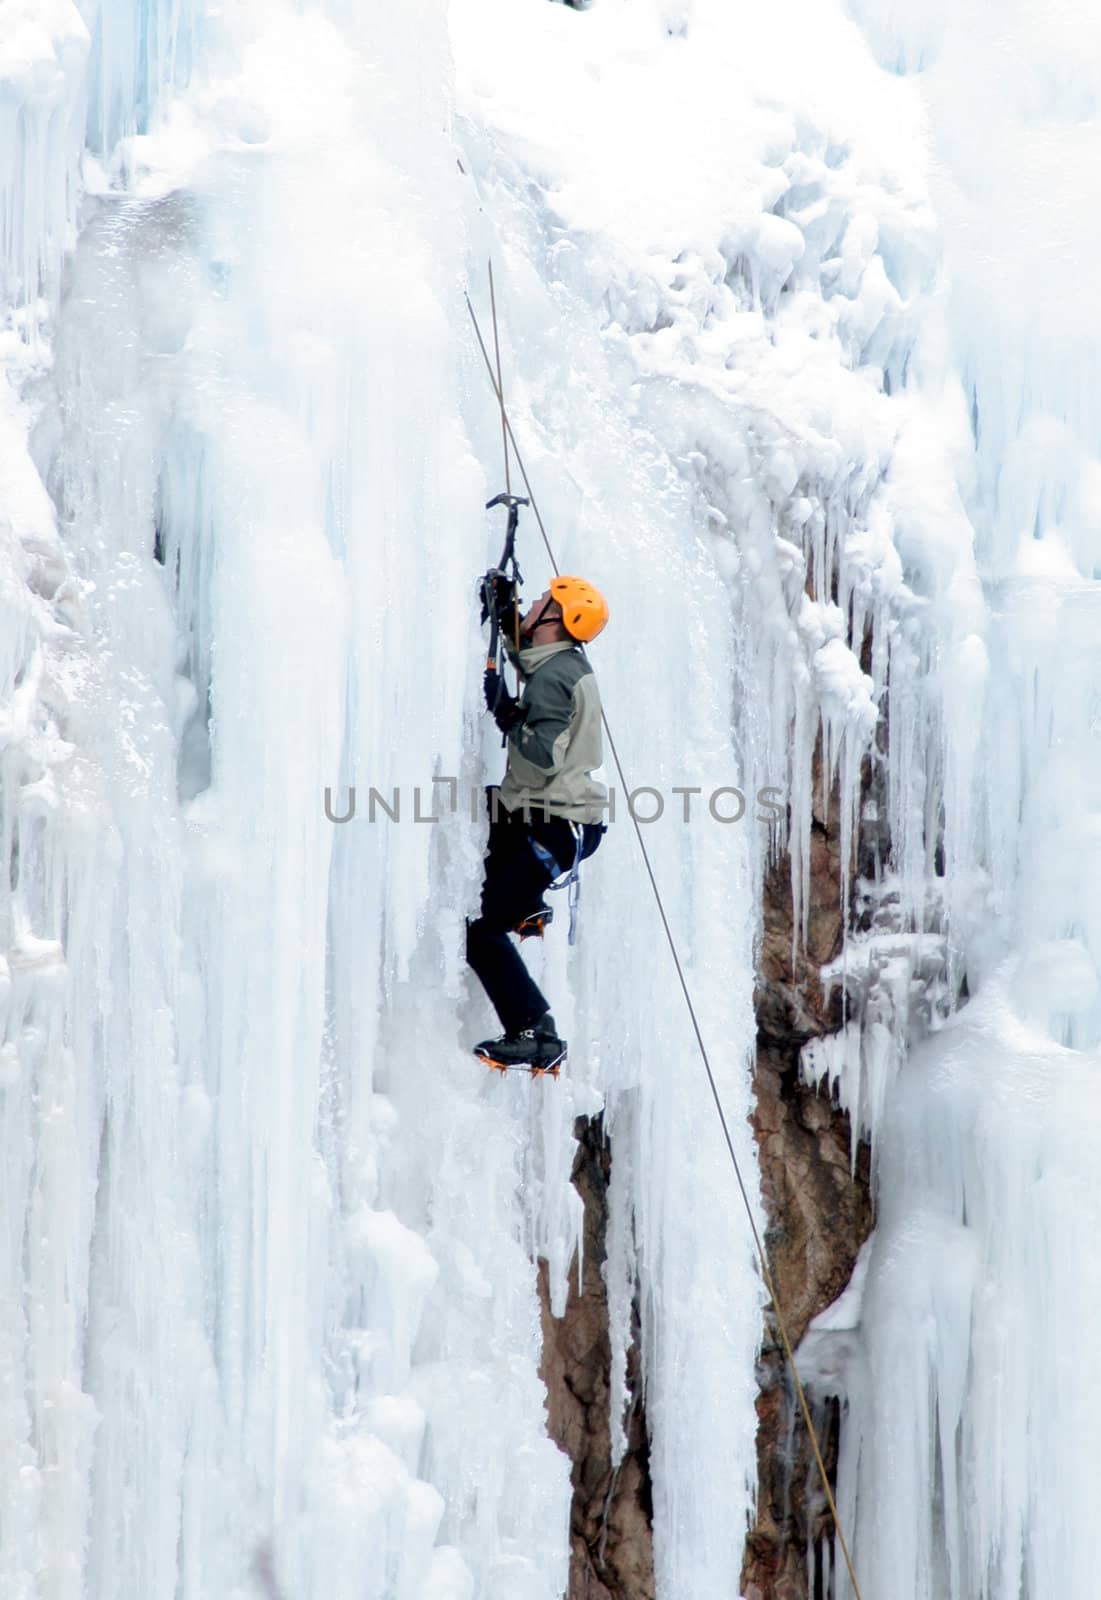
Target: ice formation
965, 1460
797, 329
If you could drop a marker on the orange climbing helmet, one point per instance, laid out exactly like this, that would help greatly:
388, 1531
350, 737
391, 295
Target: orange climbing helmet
584, 608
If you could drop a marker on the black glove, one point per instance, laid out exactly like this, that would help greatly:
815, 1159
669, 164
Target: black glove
498, 595
507, 710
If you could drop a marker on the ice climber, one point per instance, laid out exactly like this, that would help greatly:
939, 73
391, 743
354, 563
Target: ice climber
547, 815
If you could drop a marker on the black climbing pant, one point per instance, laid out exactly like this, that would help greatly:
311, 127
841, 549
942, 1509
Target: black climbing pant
515, 881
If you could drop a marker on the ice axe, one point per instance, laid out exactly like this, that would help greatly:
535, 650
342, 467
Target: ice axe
507, 569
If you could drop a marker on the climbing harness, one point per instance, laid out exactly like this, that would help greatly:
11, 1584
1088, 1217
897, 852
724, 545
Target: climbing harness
566, 878
766, 1270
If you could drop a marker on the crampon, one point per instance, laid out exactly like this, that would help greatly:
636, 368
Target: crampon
537, 1050
535, 924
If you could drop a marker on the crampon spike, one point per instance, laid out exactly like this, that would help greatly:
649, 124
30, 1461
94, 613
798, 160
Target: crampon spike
551, 1071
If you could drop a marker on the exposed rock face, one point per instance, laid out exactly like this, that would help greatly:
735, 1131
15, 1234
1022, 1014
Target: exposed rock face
819, 1214
611, 1548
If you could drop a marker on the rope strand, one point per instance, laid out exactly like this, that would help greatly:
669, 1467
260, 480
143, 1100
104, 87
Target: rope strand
499, 389
762, 1256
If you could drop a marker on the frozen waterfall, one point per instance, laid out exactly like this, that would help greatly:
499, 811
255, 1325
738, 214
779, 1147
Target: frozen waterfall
798, 318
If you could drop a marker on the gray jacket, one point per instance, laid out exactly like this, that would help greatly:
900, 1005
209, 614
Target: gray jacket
553, 750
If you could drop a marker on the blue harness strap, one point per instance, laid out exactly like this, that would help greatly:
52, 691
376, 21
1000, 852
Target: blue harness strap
565, 878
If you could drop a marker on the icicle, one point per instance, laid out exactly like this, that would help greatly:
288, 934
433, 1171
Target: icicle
45, 49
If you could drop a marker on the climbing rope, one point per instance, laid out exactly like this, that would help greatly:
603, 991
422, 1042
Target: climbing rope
762, 1257
499, 387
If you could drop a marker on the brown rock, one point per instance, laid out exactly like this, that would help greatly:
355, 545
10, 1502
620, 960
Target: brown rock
611, 1539
818, 1208
819, 1213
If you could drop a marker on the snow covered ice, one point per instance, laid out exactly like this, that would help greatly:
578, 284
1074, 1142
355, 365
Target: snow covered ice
798, 319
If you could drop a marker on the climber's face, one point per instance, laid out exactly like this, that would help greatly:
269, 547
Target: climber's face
542, 622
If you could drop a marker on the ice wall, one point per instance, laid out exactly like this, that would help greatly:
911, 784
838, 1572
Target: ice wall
778, 367
271, 1312
264, 1318
908, 258
969, 1402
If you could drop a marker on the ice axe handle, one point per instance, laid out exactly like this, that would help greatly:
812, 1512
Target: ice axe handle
514, 502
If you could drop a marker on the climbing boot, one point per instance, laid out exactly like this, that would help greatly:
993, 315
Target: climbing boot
535, 924
537, 1049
